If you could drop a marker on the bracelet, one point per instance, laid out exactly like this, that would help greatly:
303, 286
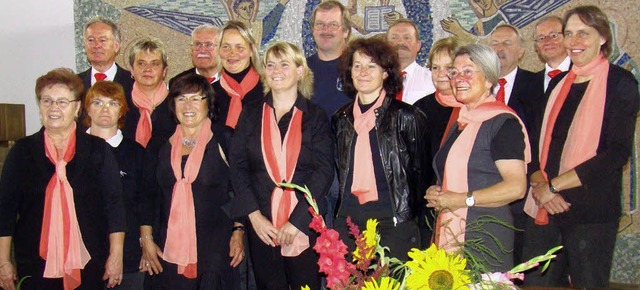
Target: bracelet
145, 237
238, 228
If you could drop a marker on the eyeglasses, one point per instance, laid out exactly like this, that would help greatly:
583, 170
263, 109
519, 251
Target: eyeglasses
181, 100
61, 103
465, 73
331, 26
550, 36
102, 104
201, 45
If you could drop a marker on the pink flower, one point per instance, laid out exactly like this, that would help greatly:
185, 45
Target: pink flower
329, 243
317, 223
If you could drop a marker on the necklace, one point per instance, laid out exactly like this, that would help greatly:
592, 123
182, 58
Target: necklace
188, 142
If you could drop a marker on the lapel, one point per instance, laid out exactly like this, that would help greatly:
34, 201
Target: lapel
518, 92
86, 78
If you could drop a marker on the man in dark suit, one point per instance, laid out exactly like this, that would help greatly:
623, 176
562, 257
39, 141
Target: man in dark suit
204, 53
520, 90
102, 44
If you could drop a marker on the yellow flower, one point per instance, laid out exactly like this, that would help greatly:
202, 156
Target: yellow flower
305, 287
370, 236
386, 283
437, 270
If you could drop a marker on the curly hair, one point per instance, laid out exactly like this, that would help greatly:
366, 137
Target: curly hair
382, 54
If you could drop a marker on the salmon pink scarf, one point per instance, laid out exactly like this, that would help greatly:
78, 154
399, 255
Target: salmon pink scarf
449, 101
146, 105
280, 162
181, 245
584, 133
61, 243
236, 92
450, 226
364, 178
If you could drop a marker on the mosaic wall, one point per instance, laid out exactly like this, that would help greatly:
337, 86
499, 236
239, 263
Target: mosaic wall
288, 20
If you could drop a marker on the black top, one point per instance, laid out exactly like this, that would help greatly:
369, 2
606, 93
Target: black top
253, 98
162, 125
314, 167
598, 199
129, 155
97, 194
437, 118
327, 87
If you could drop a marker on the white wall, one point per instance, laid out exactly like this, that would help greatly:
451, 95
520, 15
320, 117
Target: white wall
35, 37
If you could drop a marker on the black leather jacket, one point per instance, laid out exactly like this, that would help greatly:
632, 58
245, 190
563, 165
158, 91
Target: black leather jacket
401, 137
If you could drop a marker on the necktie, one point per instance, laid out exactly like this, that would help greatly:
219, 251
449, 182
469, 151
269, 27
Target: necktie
211, 80
554, 73
399, 94
100, 76
500, 94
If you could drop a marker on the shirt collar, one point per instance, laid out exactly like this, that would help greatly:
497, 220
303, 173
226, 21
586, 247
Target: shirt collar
111, 73
115, 140
216, 76
300, 103
409, 69
564, 65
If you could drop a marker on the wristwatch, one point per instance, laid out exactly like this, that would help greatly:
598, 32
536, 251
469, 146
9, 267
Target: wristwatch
470, 201
552, 188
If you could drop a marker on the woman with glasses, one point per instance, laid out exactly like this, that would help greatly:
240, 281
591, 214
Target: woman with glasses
61, 203
380, 148
239, 84
197, 246
148, 111
481, 166
586, 139
106, 106
288, 139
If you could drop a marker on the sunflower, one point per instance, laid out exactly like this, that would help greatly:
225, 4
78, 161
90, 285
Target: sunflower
386, 283
437, 270
370, 237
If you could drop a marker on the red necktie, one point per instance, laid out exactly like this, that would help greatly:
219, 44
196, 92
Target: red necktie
554, 73
500, 94
211, 80
100, 76
399, 94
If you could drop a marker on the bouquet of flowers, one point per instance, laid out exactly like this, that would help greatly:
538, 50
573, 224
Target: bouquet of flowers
372, 269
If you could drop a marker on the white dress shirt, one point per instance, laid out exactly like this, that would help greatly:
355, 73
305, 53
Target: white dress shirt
417, 83
111, 73
508, 87
564, 66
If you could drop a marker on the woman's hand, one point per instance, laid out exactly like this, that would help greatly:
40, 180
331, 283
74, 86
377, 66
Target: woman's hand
236, 248
286, 234
113, 270
7, 275
150, 253
444, 200
263, 228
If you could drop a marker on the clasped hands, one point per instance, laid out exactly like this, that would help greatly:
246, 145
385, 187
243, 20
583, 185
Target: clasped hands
269, 234
553, 203
444, 200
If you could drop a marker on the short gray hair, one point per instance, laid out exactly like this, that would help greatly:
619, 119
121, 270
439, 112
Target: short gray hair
207, 27
149, 45
485, 58
515, 29
550, 18
99, 19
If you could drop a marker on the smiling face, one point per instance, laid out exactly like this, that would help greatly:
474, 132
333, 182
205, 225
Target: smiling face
550, 50
367, 76
402, 37
327, 40
104, 112
148, 69
100, 45
235, 52
54, 117
440, 66
191, 109
203, 58
582, 42
282, 74
469, 90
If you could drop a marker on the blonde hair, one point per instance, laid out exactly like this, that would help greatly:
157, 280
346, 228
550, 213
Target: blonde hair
246, 35
289, 51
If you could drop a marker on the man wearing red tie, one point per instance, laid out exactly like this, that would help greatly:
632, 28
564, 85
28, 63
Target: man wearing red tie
404, 36
520, 90
204, 53
548, 40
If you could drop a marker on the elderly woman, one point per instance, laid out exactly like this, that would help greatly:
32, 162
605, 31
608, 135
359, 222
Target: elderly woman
288, 139
239, 84
106, 106
379, 148
198, 245
585, 140
61, 199
480, 166
148, 110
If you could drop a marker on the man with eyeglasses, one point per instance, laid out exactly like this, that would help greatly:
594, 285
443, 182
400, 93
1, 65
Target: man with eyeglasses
204, 53
520, 90
550, 48
404, 36
331, 28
